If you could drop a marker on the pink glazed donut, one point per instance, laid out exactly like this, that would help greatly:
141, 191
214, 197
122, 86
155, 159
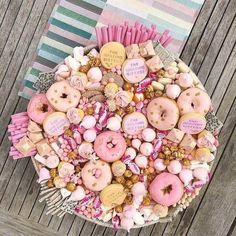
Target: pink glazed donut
62, 96
163, 113
39, 108
96, 175
110, 146
194, 100
166, 189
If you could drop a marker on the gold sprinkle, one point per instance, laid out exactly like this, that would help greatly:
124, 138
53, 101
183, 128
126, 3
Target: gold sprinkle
55, 90
55, 101
156, 122
197, 94
94, 184
188, 94
152, 113
162, 119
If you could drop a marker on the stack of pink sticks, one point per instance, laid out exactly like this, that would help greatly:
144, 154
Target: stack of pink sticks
17, 130
127, 34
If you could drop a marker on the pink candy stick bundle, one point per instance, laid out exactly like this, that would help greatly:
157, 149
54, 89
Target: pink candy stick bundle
17, 129
126, 34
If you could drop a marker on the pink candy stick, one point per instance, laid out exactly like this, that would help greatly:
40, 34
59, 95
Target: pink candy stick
158, 36
169, 39
137, 37
127, 38
13, 153
124, 30
153, 35
20, 114
11, 129
12, 148
104, 34
110, 35
142, 36
11, 126
164, 36
133, 32
17, 136
114, 32
19, 119
118, 35
145, 37
99, 36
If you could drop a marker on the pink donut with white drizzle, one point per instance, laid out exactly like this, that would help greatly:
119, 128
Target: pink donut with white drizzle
96, 175
194, 100
39, 108
166, 189
110, 146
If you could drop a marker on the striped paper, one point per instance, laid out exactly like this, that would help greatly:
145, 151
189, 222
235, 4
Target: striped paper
73, 22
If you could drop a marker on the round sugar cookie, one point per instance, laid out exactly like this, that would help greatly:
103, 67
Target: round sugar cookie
134, 123
192, 123
163, 113
134, 70
112, 54
113, 195
56, 123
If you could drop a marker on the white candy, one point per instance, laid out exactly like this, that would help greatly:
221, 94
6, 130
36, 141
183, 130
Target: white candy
138, 218
136, 143
131, 152
114, 123
88, 122
148, 135
165, 81
157, 86
146, 149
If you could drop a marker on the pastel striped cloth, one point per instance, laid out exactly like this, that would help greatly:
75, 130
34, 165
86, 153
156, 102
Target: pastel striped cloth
72, 23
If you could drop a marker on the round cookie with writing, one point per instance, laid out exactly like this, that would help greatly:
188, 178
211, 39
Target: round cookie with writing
134, 123
192, 123
56, 123
112, 54
134, 70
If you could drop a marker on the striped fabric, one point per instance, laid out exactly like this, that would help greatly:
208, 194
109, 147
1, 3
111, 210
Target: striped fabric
73, 22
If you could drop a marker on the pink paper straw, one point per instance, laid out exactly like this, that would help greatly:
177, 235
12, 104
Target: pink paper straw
127, 38
99, 36
104, 34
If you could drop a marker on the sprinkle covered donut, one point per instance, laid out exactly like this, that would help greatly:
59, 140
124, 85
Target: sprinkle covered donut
124, 135
163, 113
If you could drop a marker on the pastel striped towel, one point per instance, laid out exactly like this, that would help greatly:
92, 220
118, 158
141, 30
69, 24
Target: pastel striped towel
73, 22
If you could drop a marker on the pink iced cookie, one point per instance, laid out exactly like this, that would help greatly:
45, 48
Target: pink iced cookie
163, 113
39, 108
96, 175
110, 146
194, 100
166, 189
62, 96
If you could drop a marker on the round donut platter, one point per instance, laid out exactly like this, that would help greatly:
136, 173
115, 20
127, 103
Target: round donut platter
123, 136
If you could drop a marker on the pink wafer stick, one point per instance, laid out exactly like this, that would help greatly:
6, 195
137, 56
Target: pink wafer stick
118, 35
24, 125
127, 38
104, 34
124, 30
17, 136
133, 33
20, 120
114, 32
169, 39
110, 35
20, 114
137, 36
99, 36
145, 37
153, 35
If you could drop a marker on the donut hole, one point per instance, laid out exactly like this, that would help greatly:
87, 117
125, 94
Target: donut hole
64, 95
192, 105
167, 189
44, 108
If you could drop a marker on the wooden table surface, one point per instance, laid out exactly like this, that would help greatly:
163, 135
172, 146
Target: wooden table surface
211, 53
